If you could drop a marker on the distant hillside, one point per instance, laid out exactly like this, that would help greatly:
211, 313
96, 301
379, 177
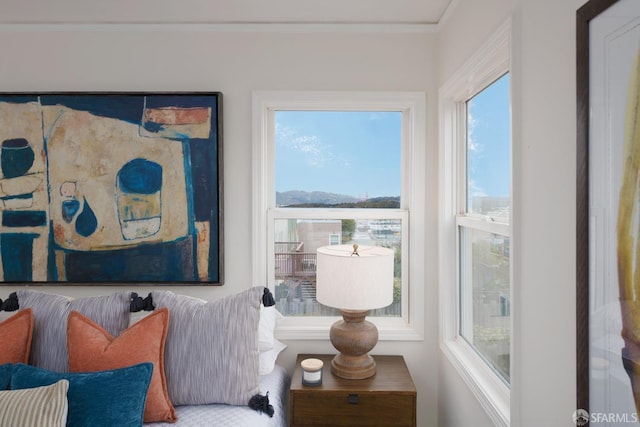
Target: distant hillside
321, 199
295, 197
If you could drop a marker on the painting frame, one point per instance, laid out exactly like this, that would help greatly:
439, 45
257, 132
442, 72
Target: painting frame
604, 371
115, 188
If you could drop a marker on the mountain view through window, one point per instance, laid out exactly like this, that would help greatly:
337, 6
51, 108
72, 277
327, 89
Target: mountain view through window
337, 181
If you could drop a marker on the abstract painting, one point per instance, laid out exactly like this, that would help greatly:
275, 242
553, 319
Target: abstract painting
110, 188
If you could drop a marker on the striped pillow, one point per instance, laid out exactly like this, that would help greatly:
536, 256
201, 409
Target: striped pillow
50, 312
211, 353
37, 407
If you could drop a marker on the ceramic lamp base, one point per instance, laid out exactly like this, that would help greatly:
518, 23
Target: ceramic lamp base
353, 337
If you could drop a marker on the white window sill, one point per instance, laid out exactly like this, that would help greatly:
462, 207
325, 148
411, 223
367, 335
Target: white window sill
491, 392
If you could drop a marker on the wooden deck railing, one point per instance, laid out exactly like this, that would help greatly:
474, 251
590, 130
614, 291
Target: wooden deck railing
295, 264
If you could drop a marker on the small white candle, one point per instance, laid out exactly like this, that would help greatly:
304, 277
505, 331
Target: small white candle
311, 371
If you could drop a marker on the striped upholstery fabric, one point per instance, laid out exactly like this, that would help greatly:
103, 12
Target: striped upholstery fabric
211, 353
50, 312
37, 407
218, 415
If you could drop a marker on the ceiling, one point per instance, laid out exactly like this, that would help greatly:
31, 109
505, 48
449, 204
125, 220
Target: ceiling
392, 12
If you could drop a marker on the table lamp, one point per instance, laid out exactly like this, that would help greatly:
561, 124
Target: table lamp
354, 279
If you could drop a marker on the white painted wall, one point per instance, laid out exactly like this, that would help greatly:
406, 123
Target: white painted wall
465, 28
127, 58
546, 154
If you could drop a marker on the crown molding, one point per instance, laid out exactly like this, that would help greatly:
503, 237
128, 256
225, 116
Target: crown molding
270, 27
447, 14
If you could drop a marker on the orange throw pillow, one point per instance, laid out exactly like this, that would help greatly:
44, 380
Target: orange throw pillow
16, 333
91, 348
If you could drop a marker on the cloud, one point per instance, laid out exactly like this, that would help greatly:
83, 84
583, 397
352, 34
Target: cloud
474, 190
375, 116
475, 152
316, 153
472, 123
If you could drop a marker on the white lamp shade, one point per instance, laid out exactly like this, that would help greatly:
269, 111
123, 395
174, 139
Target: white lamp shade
351, 282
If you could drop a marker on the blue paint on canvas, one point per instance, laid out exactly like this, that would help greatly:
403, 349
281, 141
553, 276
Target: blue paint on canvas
24, 218
86, 223
140, 176
170, 261
16, 250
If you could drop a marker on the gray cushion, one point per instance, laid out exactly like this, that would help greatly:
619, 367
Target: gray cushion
50, 312
211, 353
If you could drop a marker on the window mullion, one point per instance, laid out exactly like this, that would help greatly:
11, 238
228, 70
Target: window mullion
483, 224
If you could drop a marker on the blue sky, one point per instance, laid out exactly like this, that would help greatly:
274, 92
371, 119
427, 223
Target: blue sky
352, 153
489, 141
358, 153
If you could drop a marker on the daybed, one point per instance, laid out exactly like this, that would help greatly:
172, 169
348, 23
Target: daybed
169, 359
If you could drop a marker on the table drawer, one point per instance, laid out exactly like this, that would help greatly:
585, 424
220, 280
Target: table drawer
353, 409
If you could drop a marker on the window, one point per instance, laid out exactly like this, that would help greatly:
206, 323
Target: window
475, 224
483, 226
346, 160
337, 168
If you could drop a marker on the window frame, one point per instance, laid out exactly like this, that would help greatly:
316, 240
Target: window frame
485, 66
410, 326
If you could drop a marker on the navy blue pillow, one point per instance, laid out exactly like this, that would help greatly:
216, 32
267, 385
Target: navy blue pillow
5, 375
96, 399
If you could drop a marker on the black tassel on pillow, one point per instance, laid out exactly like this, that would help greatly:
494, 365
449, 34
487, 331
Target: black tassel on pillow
267, 298
148, 303
261, 404
138, 303
10, 304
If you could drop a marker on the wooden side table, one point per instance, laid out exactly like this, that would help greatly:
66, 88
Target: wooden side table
386, 399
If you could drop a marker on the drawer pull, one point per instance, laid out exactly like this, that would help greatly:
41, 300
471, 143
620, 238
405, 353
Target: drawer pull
353, 399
